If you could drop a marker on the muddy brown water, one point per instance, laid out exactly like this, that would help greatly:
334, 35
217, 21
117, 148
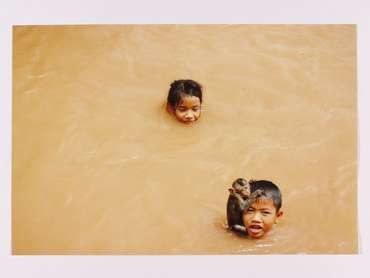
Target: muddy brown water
99, 167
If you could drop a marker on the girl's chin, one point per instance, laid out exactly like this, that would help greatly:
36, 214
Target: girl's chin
186, 122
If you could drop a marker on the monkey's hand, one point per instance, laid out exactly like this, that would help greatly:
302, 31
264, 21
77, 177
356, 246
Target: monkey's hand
239, 228
256, 194
232, 191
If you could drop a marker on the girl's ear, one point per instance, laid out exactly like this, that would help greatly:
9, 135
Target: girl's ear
169, 108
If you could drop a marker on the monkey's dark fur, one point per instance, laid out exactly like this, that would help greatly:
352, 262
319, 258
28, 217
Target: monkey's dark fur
240, 199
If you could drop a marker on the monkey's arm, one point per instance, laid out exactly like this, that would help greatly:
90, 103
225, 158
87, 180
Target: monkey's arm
256, 194
252, 198
241, 201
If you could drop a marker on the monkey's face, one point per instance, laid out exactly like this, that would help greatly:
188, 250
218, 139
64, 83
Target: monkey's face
242, 187
245, 191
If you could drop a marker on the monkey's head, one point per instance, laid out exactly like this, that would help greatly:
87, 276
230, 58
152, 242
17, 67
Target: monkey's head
242, 187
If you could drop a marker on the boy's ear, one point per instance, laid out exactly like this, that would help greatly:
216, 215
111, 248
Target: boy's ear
279, 215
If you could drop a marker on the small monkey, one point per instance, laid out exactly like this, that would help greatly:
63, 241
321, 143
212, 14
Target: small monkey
240, 198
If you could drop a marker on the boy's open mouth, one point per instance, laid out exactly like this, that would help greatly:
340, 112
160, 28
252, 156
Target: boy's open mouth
255, 229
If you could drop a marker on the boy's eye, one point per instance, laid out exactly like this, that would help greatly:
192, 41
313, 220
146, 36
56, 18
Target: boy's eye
195, 109
266, 212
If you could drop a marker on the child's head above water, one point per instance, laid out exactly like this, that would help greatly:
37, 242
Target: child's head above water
260, 216
184, 100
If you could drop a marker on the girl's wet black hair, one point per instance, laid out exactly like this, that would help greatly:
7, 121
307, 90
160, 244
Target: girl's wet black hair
270, 191
183, 87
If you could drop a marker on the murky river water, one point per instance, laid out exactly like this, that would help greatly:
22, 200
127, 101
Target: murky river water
100, 168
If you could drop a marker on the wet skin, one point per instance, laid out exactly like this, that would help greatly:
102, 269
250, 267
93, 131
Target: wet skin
260, 217
188, 110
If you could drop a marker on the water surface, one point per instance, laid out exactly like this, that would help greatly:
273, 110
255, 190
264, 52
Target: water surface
100, 168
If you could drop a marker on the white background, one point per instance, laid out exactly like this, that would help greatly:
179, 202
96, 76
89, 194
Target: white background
25, 12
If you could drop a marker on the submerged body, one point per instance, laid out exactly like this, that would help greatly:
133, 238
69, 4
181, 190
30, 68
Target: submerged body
234, 215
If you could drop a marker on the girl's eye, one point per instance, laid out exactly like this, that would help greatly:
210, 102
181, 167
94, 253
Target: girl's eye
195, 109
182, 109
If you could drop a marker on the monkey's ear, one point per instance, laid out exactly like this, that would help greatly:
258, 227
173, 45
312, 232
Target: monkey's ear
240, 181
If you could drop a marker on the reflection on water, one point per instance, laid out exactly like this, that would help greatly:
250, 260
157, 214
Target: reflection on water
100, 168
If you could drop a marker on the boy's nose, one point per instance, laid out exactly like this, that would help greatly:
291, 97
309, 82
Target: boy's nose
256, 217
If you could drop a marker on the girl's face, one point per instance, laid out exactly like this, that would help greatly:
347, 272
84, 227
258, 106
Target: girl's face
188, 110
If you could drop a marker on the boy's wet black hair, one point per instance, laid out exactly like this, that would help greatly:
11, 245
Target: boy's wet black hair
269, 189
183, 87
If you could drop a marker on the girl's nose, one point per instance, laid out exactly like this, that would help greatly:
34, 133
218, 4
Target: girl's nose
189, 116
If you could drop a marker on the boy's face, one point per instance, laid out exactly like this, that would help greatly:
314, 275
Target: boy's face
188, 110
260, 217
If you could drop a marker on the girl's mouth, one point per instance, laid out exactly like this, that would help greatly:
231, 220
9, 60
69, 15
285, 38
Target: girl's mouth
189, 121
